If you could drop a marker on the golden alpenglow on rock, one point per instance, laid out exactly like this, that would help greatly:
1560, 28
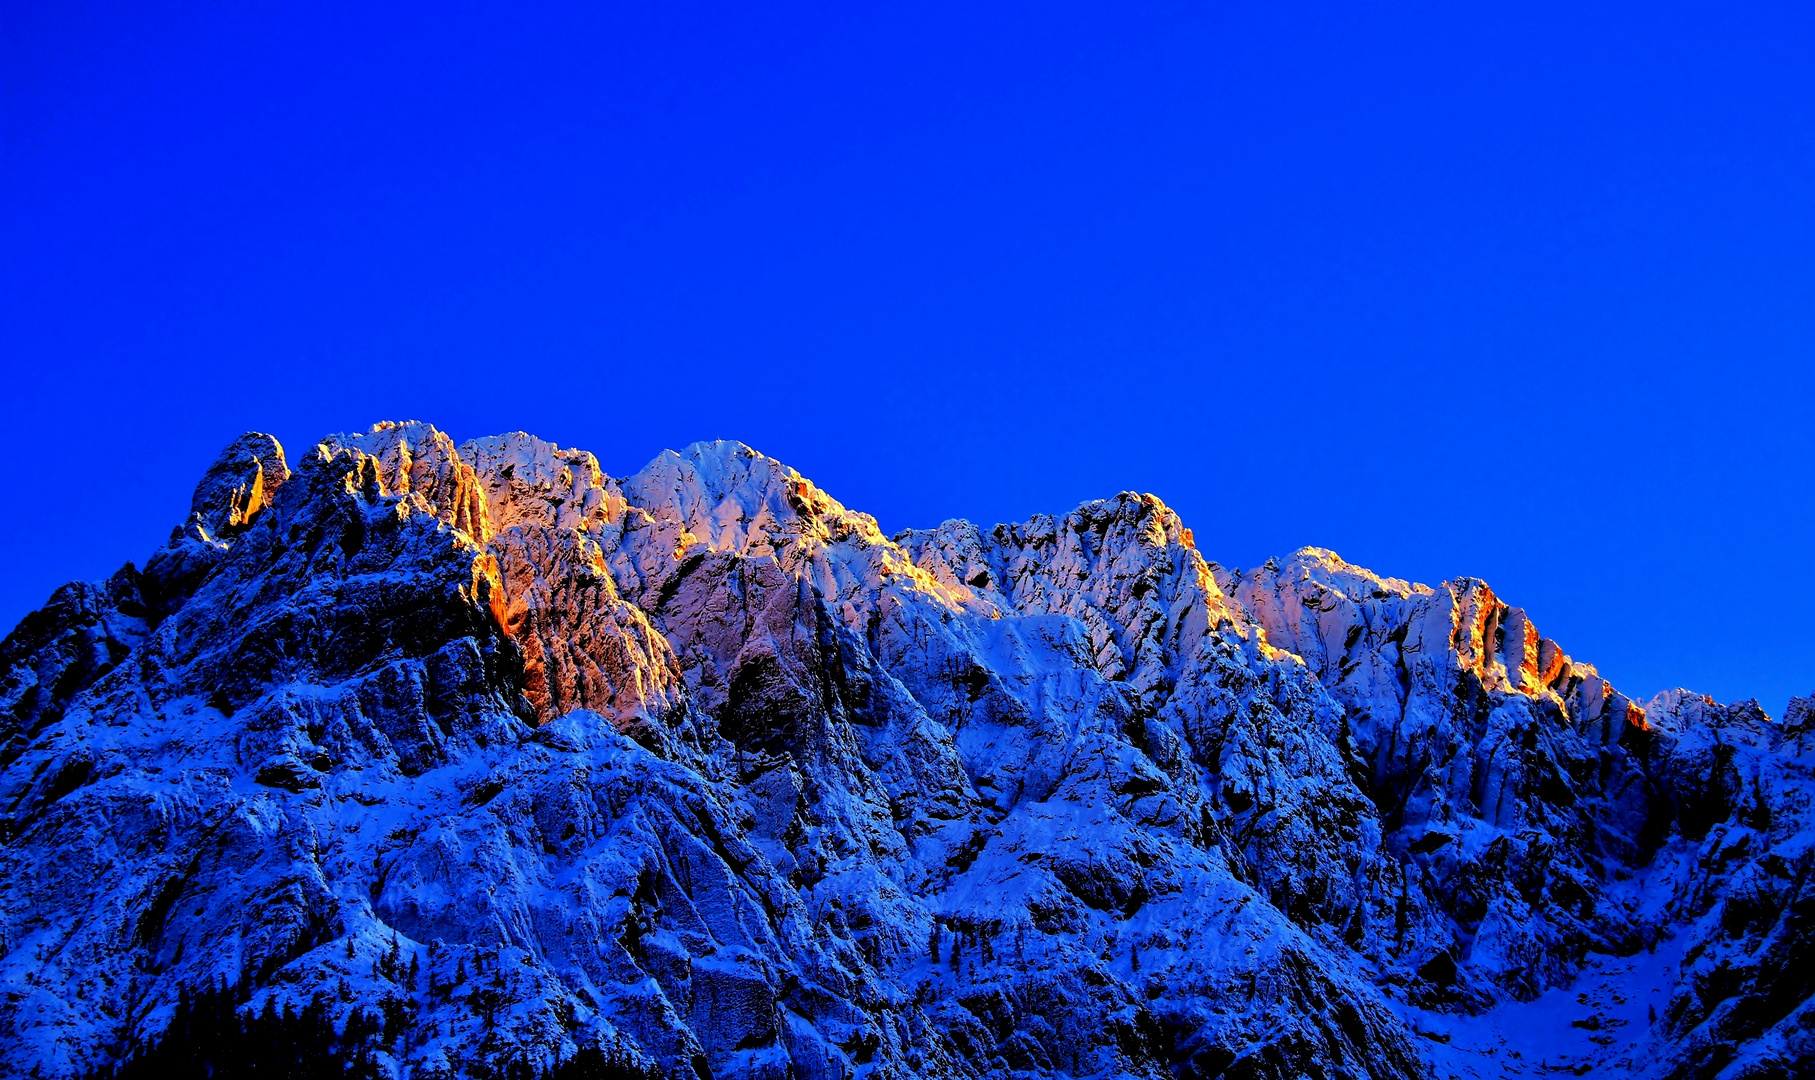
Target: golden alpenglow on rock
443, 760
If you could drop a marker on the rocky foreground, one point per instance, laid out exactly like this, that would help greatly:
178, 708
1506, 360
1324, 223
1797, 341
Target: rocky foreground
699, 768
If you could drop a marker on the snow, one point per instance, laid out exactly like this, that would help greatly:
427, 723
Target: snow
1600, 1024
698, 763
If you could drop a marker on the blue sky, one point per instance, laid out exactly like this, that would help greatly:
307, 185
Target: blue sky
1525, 291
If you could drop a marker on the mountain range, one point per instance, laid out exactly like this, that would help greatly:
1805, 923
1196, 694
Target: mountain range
473, 758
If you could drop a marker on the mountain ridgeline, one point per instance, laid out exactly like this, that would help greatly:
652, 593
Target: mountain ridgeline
415, 759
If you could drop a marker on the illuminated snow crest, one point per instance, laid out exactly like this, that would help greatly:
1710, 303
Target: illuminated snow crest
700, 767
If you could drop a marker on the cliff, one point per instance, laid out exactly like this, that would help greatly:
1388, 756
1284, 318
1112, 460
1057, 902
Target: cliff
699, 767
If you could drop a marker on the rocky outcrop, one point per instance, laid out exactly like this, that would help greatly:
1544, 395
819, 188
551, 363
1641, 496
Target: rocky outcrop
548, 512
1740, 784
699, 767
1508, 777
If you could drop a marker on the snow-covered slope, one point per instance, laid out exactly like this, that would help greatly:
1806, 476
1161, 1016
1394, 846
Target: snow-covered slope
699, 765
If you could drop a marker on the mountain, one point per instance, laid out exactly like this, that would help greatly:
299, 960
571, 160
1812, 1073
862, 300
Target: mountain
473, 758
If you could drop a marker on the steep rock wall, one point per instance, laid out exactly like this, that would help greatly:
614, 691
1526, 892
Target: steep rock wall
699, 765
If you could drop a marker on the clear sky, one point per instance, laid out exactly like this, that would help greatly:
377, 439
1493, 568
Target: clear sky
1523, 291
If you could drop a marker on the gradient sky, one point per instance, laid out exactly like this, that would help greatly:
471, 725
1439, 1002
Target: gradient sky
1525, 291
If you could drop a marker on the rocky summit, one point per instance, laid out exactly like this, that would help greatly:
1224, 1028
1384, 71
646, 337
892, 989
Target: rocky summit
473, 760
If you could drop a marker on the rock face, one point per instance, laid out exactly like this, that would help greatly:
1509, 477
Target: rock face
699, 766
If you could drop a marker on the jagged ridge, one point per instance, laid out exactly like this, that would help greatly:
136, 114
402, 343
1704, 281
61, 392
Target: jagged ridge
699, 767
